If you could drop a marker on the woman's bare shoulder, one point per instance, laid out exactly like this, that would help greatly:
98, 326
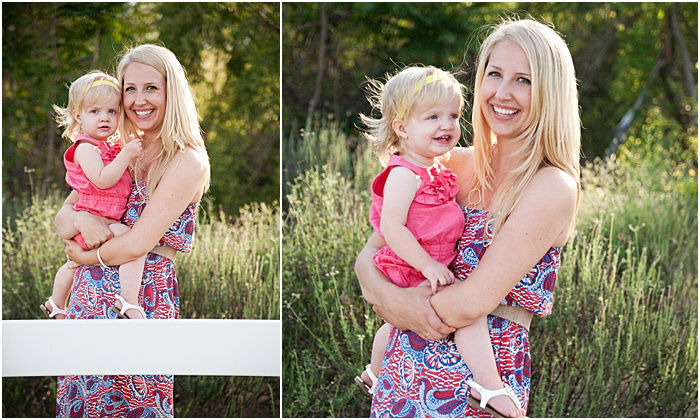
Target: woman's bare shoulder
461, 161
190, 162
552, 177
555, 186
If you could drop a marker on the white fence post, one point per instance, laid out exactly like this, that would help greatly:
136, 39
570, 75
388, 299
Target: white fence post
141, 347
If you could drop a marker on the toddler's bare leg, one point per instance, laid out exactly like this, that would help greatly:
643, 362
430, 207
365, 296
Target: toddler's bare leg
130, 275
62, 283
381, 340
474, 345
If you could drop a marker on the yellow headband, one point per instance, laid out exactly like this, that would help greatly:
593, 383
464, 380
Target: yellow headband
428, 80
100, 83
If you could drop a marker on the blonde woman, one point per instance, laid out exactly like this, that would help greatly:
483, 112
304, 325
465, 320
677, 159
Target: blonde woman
170, 177
519, 188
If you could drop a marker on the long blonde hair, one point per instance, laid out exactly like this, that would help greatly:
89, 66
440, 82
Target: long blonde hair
82, 94
411, 89
552, 136
180, 129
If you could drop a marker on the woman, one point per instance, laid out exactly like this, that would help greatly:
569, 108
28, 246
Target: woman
519, 189
171, 175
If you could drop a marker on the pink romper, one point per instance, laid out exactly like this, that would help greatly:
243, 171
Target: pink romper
434, 218
110, 202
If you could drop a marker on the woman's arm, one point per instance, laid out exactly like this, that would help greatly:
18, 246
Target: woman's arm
404, 308
181, 184
101, 175
69, 223
540, 220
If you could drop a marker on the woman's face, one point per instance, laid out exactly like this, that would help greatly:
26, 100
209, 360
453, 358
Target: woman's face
506, 90
144, 97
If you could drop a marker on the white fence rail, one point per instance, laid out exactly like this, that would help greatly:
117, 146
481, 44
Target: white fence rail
141, 347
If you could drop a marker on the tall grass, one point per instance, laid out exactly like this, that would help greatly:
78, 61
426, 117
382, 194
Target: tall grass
622, 340
232, 272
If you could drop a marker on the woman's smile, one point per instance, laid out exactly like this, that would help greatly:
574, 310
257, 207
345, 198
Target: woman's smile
504, 113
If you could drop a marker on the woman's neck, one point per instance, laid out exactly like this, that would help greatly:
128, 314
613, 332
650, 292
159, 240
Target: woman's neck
505, 156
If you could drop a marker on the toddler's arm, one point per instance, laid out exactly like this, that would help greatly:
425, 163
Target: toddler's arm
100, 175
399, 190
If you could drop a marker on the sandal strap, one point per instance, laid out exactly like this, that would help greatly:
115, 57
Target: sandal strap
126, 306
487, 394
55, 310
372, 378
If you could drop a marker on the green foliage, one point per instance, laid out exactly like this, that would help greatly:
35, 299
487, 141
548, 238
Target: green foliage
232, 272
230, 52
324, 315
324, 141
614, 47
622, 340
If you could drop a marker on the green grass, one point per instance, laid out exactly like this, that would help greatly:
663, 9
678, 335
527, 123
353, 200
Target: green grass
622, 340
232, 272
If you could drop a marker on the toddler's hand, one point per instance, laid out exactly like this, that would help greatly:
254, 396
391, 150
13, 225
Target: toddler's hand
438, 274
133, 148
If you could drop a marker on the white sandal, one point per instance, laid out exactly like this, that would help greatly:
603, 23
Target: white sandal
369, 390
487, 394
125, 307
55, 310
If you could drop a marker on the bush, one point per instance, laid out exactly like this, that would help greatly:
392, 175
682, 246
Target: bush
622, 340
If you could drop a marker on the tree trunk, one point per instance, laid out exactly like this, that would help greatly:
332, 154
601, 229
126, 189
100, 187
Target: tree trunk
96, 54
50, 124
628, 118
685, 56
320, 64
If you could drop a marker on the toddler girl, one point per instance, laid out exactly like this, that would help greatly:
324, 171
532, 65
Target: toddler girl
414, 209
97, 170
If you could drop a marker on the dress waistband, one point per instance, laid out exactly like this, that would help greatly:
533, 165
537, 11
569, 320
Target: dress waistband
515, 314
165, 251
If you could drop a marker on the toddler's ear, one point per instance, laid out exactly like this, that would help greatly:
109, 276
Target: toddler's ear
77, 117
399, 128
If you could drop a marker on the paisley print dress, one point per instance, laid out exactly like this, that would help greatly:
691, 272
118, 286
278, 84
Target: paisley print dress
422, 378
94, 290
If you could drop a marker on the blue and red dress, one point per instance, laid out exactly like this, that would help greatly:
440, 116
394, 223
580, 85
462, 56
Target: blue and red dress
421, 378
94, 290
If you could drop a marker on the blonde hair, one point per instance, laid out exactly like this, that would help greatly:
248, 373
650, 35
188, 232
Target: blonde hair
82, 94
180, 129
552, 136
411, 89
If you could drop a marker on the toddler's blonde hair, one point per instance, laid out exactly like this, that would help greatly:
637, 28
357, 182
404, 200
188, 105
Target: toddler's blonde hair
81, 95
411, 89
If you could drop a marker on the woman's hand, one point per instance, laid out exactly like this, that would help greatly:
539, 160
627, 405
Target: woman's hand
78, 255
404, 308
68, 222
95, 229
410, 309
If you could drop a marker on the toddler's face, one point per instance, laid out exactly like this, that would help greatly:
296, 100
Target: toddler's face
99, 120
432, 131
